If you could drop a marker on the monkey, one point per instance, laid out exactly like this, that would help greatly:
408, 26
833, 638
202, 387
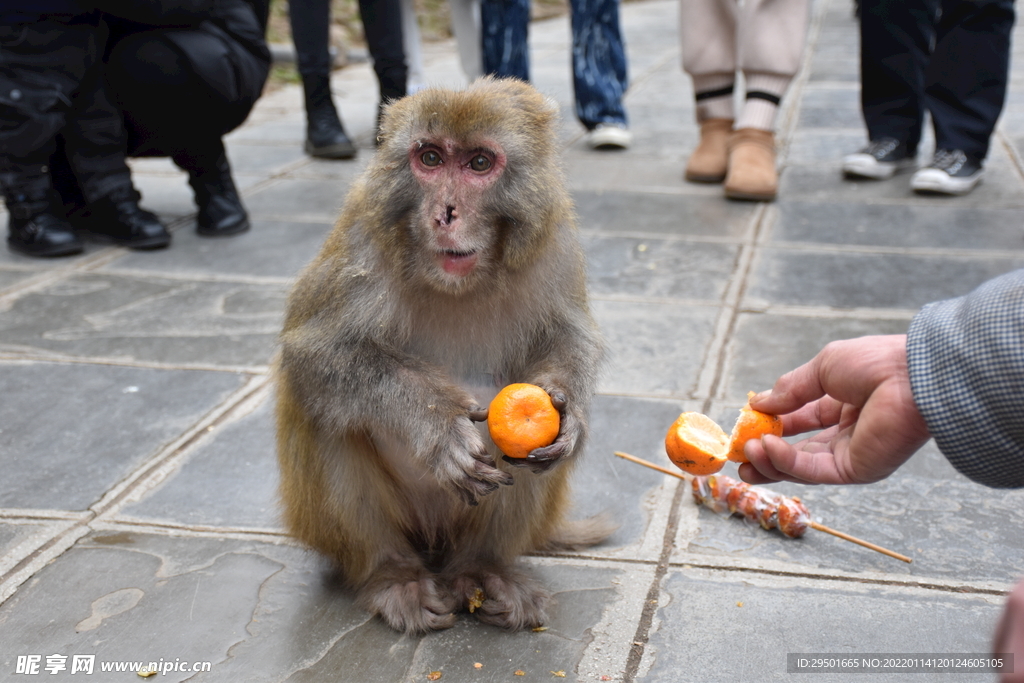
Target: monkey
454, 269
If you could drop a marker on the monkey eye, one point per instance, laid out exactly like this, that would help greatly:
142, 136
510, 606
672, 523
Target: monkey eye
480, 163
430, 158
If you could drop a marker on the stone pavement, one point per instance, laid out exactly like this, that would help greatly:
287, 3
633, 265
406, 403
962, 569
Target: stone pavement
138, 519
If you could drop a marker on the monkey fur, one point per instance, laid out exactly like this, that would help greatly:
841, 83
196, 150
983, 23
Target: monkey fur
454, 269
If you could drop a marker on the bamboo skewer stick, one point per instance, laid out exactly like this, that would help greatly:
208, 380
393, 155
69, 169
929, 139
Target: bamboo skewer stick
814, 525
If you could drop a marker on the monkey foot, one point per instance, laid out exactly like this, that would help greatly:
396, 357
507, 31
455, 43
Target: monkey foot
413, 606
503, 598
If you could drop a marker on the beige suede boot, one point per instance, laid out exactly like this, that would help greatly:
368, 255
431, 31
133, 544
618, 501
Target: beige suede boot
708, 162
752, 175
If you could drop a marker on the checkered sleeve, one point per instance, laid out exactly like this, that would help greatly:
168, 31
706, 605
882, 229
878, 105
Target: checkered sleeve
966, 360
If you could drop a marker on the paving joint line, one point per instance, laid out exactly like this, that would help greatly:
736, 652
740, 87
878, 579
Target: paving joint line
154, 470
39, 356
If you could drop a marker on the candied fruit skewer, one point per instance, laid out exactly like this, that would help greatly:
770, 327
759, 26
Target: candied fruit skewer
735, 488
767, 508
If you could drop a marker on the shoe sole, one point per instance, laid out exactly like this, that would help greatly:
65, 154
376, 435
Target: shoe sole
610, 139
857, 166
150, 243
933, 183
709, 179
750, 196
331, 151
53, 252
237, 229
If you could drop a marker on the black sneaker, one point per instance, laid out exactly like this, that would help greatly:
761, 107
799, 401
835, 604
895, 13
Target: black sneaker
951, 172
881, 159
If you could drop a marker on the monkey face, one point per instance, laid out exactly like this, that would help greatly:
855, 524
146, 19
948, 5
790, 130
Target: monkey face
456, 230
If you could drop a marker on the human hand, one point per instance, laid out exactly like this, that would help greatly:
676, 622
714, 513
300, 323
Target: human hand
858, 392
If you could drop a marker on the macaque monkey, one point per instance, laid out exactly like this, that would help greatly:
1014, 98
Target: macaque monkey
454, 270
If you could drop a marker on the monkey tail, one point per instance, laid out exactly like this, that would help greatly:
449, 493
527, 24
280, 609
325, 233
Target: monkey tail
578, 534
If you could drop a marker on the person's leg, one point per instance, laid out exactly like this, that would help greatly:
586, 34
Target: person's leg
707, 30
42, 65
504, 28
466, 27
895, 47
382, 24
94, 145
770, 35
599, 72
325, 135
965, 83
170, 111
412, 45
965, 88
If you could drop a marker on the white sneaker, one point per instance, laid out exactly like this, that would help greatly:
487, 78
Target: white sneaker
881, 159
610, 136
951, 172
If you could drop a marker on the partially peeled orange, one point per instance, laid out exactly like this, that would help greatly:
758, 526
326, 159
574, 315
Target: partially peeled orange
696, 444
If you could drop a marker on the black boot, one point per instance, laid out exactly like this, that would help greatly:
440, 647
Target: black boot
221, 213
35, 229
325, 136
118, 218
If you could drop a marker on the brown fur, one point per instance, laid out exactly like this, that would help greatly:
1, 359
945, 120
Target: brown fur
382, 352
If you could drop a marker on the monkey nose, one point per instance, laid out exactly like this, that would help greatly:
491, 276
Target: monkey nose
448, 216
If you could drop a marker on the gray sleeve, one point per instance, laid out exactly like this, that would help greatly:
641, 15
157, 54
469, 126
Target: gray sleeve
966, 361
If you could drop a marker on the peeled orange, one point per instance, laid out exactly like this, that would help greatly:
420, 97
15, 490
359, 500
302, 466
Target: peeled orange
696, 444
522, 418
752, 424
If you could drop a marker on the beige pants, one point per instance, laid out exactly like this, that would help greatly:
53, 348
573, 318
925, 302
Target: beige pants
763, 39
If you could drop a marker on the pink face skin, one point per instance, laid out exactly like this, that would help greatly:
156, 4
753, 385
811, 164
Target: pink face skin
454, 179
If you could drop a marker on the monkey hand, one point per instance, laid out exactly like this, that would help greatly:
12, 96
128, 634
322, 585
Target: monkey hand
570, 433
463, 463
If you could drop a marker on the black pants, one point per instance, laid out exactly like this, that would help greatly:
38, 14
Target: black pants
169, 108
948, 57
51, 87
382, 23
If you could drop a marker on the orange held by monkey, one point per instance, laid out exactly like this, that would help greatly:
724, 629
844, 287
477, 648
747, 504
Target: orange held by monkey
454, 270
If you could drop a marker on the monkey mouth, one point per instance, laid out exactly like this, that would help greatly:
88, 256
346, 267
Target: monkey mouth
458, 262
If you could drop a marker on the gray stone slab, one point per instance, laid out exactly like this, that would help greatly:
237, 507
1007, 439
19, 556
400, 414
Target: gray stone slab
9, 278
230, 480
148, 318
826, 147
269, 249
855, 280
263, 159
658, 268
951, 527
662, 214
830, 117
259, 612
169, 196
764, 347
837, 68
290, 197
603, 483
62, 448
653, 349
720, 627
901, 225
1001, 186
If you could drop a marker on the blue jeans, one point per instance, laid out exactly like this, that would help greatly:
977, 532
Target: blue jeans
598, 53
